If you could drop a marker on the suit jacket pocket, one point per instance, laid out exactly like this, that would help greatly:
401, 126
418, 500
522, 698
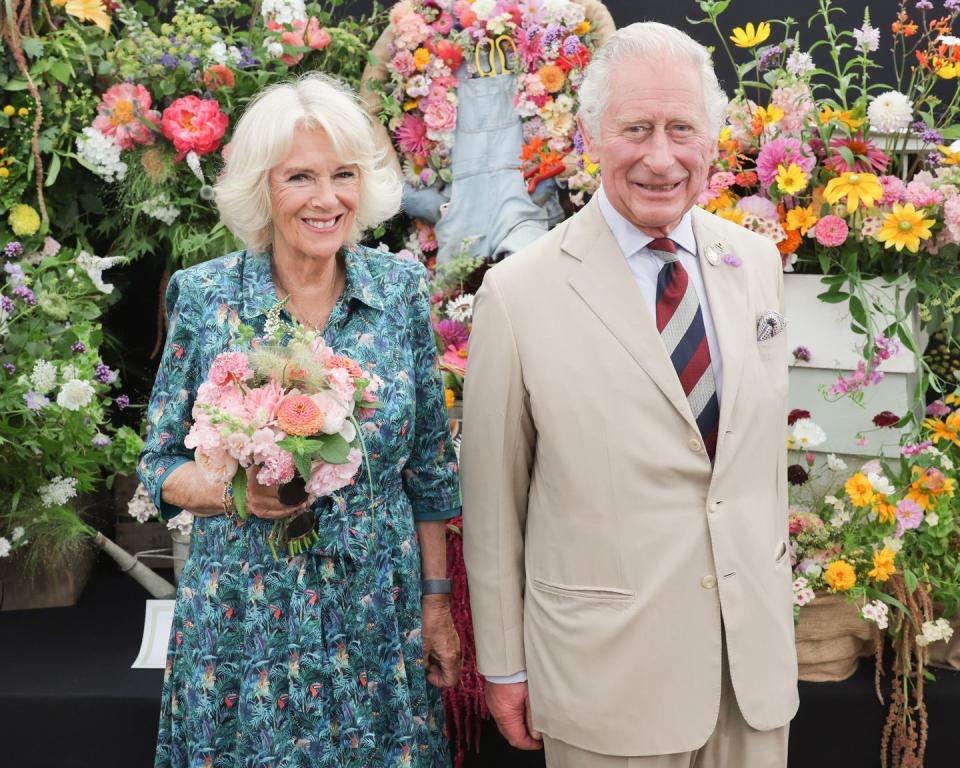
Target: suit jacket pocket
774, 348
584, 593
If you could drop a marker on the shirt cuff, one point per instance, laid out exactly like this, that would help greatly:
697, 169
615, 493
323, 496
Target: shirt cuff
426, 514
516, 677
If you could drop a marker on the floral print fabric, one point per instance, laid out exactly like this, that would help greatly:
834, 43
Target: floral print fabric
314, 660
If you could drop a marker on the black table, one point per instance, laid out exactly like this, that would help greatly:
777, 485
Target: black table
68, 698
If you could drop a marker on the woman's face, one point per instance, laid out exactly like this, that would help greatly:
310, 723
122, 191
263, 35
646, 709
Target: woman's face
313, 197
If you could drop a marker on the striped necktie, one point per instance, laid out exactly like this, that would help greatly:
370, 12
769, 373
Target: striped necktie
680, 322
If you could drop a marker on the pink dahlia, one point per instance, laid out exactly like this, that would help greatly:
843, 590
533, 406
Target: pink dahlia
921, 194
124, 112
867, 157
832, 231
782, 151
451, 333
894, 191
194, 125
411, 135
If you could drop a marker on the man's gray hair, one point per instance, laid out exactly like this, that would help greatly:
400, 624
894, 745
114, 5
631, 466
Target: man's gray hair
652, 42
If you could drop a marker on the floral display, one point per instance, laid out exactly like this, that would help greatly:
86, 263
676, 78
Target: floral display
283, 408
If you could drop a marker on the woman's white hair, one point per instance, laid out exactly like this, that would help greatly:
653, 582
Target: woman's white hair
264, 137
649, 41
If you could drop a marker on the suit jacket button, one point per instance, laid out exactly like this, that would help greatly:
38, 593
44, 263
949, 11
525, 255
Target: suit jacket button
708, 582
695, 445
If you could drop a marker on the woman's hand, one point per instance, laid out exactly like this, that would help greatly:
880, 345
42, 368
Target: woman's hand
441, 644
262, 500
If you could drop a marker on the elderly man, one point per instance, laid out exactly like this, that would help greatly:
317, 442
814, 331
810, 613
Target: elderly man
624, 461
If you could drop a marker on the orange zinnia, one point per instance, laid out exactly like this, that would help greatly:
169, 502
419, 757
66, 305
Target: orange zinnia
789, 244
299, 415
552, 78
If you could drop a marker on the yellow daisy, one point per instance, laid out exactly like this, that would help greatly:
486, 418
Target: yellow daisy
859, 490
846, 117
856, 187
768, 115
904, 228
883, 567
951, 154
802, 218
791, 179
89, 10
944, 429
886, 512
750, 37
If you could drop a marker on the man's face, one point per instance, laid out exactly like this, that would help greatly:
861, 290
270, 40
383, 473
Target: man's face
654, 147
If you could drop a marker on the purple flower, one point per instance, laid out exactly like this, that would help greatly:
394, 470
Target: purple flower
13, 250
191, 62
925, 134
768, 57
909, 515
22, 292
104, 374
6, 304
924, 5
578, 143
452, 333
79, 347
16, 273
932, 160
732, 260
554, 33
951, 5
797, 475
912, 449
247, 59
938, 408
35, 402
122, 402
100, 441
802, 355
169, 62
10, 368
571, 44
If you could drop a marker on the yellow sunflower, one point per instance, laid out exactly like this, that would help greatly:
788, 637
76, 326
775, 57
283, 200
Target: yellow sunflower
856, 187
904, 228
750, 37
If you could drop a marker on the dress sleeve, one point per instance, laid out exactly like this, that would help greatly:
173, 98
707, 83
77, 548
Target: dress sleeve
430, 476
174, 390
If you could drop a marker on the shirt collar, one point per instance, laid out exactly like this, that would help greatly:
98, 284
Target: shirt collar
259, 294
631, 240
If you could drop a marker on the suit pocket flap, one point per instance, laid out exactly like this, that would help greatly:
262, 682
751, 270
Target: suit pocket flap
587, 593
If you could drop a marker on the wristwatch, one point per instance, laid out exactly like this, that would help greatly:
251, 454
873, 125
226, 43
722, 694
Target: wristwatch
436, 587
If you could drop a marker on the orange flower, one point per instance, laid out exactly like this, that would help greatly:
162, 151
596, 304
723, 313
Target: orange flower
552, 78
907, 29
299, 415
790, 243
886, 512
840, 576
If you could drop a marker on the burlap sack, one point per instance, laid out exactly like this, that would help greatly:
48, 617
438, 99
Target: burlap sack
947, 655
831, 638
594, 10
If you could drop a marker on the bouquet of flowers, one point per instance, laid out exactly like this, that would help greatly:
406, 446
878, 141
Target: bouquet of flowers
286, 410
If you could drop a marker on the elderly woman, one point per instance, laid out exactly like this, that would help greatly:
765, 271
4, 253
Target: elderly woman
322, 659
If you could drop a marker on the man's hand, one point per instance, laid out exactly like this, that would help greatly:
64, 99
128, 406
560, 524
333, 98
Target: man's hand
509, 703
441, 644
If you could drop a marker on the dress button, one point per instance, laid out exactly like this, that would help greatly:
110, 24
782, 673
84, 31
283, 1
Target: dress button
696, 446
708, 582
714, 507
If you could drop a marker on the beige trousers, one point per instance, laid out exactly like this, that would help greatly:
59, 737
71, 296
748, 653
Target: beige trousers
733, 744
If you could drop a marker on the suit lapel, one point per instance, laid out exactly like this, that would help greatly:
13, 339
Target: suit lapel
607, 286
728, 295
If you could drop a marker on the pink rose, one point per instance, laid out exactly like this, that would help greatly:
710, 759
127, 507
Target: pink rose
327, 478
229, 366
124, 113
260, 404
440, 116
194, 125
403, 63
216, 464
293, 37
263, 444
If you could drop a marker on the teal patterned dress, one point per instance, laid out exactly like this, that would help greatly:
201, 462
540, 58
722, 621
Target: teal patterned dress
314, 660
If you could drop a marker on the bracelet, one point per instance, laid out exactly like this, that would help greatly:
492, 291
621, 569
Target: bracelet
435, 587
229, 508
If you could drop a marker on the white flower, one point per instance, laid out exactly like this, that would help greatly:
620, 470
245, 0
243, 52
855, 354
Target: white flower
890, 112
836, 464
193, 161
50, 247
948, 40
160, 208
101, 154
868, 38
806, 434
75, 394
182, 522
69, 371
219, 53
841, 518
17, 533
803, 596
94, 267
58, 491
283, 11
934, 631
932, 519
893, 543
44, 377
799, 63
274, 50
880, 484
877, 612
4, 547
483, 8
461, 308
141, 505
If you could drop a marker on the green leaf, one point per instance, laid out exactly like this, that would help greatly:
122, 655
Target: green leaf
833, 297
32, 47
857, 311
304, 464
907, 340
61, 70
52, 171
910, 579
335, 450
240, 492
16, 85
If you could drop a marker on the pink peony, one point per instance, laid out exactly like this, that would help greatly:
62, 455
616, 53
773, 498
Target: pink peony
894, 190
403, 64
194, 125
316, 37
440, 116
263, 444
782, 151
260, 404
411, 135
335, 413
123, 113
229, 366
341, 382
832, 231
327, 478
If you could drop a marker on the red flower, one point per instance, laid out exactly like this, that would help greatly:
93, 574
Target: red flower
450, 53
885, 419
316, 37
218, 76
795, 415
194, 125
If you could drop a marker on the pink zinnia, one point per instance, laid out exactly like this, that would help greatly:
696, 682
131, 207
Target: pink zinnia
867, 157
426, 237
894, 190
455, 359
411, 135
451, 333
832, 231
782, 151
121, 113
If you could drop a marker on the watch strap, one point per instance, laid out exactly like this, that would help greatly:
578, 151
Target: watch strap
436, 586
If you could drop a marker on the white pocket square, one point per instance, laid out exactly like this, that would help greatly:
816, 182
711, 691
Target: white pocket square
770, 324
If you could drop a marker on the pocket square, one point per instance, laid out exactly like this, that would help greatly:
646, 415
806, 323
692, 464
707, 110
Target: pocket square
770, 324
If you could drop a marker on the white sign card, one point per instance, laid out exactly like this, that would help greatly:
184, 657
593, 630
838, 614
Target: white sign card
156, 635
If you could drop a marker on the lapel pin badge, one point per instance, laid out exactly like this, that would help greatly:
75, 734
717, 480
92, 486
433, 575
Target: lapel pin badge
715, 252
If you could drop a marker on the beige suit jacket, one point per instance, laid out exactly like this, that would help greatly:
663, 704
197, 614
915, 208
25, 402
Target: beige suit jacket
602, 547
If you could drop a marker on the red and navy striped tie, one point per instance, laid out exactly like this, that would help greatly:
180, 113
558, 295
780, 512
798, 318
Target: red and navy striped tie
680, 322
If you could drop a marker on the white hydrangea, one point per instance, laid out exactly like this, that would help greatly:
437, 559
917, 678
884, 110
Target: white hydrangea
934, 631
221, 54
890, 112
17, 533
877, 612
835, 463
44, 377
284, 11
806, 434
94, 266
75, 394
182, 523
101, 154
141, 505
161, 209
461, 308
58, 491
4, 547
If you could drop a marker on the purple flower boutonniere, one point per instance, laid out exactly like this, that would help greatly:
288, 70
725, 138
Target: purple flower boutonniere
731, 259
